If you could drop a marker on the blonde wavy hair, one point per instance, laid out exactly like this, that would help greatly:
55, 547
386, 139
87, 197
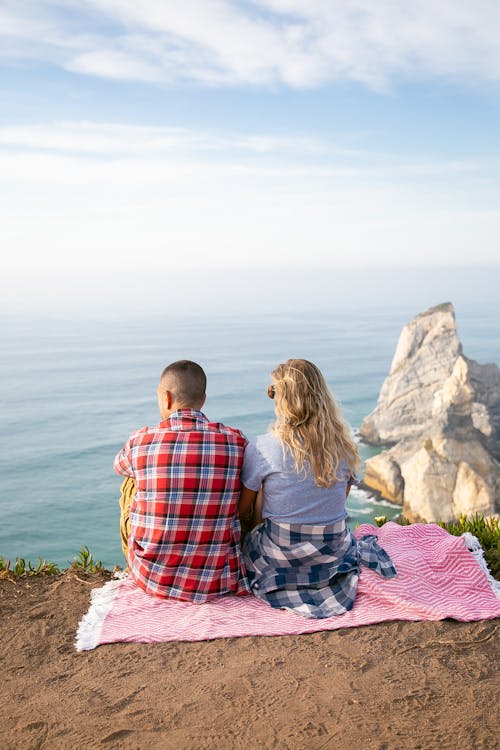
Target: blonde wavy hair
309, 423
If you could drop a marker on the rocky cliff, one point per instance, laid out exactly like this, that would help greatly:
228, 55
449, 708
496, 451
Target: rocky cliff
439, 413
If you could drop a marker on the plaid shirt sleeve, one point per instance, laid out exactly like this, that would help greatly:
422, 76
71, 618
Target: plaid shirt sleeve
122, 463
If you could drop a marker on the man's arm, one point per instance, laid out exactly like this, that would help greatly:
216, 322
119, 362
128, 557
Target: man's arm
122, 463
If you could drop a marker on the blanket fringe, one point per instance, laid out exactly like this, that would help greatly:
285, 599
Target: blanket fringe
89, 629
473, 545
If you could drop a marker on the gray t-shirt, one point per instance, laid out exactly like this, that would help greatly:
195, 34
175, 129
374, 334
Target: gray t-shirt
291, 497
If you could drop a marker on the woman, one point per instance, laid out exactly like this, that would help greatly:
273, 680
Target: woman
303, 557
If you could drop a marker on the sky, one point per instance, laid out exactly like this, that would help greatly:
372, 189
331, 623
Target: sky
157, 143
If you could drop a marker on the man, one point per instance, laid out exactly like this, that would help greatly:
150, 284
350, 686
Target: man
184, 539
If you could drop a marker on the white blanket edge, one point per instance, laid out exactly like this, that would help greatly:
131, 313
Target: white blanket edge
474, 547
89, 629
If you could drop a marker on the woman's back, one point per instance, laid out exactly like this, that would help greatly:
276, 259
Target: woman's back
291, 496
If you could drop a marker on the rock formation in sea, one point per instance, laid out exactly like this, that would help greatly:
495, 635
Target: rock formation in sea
438, 415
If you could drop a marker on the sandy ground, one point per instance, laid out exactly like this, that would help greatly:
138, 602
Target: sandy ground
394, 685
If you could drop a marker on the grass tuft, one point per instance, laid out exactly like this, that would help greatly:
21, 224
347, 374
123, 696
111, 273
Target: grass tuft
84, 561
23, 568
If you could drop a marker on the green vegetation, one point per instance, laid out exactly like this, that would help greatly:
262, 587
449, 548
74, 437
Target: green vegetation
487, 531
400, 520
85, 561
23, 568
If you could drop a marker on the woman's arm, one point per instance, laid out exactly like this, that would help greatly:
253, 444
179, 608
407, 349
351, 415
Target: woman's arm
350, 482
246, 502
258, 508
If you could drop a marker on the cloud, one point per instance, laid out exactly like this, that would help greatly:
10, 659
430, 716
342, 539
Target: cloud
116, 64
94, 195
113, 138
124, 155
260, 42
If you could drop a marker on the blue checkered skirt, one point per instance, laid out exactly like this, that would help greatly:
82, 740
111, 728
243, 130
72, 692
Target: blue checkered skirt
312, 570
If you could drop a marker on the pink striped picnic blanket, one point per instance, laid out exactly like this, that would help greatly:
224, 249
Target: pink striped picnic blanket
439, 576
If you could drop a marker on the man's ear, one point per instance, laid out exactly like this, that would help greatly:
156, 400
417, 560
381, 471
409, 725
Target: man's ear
169, 399
204, 399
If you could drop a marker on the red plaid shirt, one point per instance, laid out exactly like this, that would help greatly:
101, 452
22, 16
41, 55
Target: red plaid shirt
184, 532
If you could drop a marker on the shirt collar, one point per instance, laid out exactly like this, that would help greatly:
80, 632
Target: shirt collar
180, 417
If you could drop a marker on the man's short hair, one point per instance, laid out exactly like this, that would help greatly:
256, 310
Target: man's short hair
187, 382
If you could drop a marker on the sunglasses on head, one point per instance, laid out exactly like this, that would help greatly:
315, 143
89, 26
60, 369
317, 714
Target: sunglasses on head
271, 391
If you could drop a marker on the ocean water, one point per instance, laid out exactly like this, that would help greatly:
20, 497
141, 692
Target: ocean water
73, 391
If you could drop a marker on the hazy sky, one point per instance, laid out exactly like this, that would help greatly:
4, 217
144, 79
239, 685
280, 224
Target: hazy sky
276, 134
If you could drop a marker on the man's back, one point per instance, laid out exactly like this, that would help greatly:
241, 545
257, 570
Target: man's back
184, 534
